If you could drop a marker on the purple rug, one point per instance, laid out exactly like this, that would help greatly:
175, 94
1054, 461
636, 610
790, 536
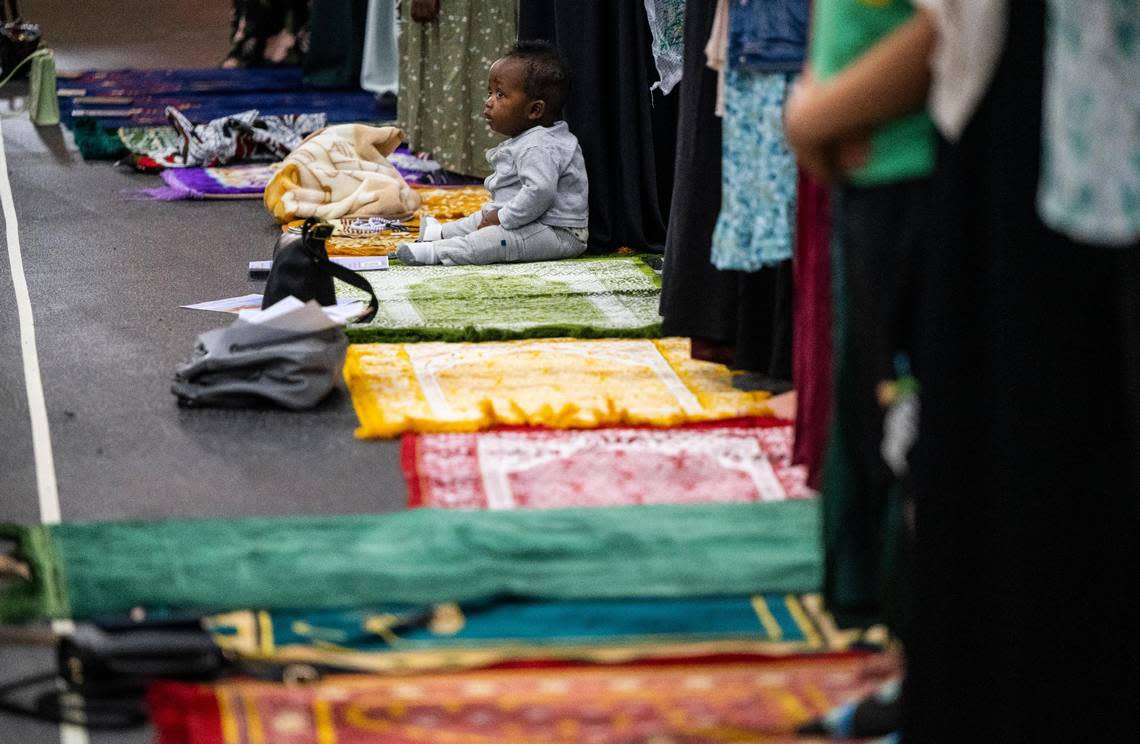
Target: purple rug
249, 181
222, 182
426, 172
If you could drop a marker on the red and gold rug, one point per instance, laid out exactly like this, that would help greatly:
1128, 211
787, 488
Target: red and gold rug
760, 701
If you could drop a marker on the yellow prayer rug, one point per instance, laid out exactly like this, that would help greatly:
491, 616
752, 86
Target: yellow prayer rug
558, 383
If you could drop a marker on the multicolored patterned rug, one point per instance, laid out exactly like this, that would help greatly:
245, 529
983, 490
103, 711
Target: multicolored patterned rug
97, 103
112, 112
146, 140
248, 181
406, 639
131, 82
611, 297
545, 469
427, 172
757, 701
446, 204
559, 383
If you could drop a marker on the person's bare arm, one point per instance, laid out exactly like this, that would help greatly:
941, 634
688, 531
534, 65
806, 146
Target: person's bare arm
889, 81
826, 159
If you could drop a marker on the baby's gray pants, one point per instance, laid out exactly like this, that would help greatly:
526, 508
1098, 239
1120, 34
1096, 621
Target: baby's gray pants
464, 243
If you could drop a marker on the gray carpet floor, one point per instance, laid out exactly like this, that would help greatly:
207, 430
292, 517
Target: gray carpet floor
106, 273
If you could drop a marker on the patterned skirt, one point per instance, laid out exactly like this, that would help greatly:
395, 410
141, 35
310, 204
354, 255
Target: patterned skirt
443, 79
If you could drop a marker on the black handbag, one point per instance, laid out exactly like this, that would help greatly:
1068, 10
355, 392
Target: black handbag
105, 671
301, 268
18, 39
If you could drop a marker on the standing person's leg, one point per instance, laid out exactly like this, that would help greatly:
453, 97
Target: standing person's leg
878, 227
380, 71
461, 46
871, 235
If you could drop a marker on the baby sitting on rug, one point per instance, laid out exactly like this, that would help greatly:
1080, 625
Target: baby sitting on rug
539, 206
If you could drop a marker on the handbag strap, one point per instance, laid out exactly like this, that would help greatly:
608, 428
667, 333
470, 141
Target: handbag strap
337, 271
4, 11
349, 276
61, 707
42, 52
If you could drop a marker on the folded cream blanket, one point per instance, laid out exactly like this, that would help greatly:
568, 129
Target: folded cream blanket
342, 171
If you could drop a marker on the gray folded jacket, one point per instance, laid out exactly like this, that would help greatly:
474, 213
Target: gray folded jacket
247, 365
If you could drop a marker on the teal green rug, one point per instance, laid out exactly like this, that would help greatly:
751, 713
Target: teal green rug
421, 556
604, 297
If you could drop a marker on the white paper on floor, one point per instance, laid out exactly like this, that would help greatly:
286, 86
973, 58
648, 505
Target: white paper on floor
248, 308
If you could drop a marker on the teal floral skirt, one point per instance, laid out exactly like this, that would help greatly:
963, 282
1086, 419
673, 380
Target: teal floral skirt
758, 181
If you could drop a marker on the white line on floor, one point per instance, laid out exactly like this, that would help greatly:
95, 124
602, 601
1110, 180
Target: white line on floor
37, 409
41, 435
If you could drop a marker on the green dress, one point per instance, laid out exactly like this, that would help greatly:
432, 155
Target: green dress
443, 79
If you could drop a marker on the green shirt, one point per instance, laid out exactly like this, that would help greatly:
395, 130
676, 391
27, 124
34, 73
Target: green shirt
842, 30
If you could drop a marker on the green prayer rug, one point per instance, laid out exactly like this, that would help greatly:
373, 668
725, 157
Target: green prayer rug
423, 556
606, 297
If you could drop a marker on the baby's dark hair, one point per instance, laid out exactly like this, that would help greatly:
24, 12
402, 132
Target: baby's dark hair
547, 78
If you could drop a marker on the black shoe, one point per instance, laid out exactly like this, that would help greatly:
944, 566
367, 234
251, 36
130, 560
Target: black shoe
752, 381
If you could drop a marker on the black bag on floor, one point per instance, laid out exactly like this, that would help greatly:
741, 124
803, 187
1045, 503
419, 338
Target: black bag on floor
18, 38
301, 268
105, 672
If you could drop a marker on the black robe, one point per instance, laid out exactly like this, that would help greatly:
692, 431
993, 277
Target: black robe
1027, 549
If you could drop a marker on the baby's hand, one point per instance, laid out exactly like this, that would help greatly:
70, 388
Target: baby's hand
490, 217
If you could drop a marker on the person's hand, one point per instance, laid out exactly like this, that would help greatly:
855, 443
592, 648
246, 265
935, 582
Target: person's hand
833, 160
490, 217
425, 11
819, 161
823, 157
853, 153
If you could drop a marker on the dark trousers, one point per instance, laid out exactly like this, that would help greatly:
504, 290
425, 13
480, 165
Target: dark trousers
884, 228
880, 233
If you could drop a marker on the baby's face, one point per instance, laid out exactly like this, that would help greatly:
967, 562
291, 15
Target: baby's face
508, 110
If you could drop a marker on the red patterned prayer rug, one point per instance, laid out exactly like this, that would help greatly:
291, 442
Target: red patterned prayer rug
743, 460
758, 701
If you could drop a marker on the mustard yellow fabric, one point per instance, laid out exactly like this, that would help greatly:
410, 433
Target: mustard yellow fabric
453, 202
559, 383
